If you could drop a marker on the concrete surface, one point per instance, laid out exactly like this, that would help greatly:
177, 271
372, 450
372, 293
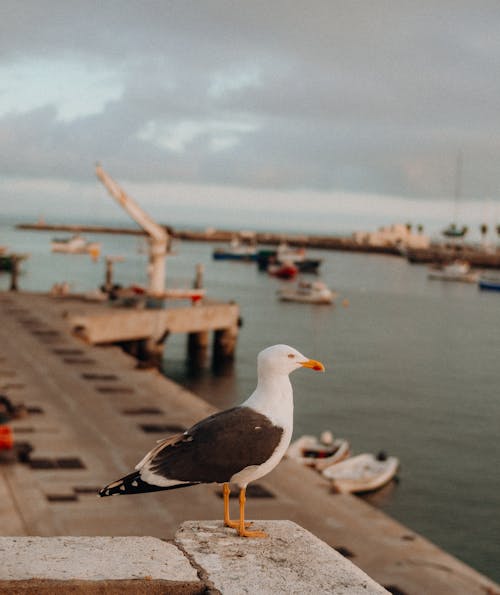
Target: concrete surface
93, 558
205, 558
290, 560
94, 402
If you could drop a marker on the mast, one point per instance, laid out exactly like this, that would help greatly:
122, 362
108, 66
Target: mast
158, 236
458, 186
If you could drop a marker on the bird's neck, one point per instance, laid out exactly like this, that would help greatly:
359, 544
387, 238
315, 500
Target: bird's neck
273, 397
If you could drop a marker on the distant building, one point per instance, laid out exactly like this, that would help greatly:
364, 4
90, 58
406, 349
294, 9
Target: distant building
398, 235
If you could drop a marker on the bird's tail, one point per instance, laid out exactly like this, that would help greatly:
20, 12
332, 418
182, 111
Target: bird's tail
133, 484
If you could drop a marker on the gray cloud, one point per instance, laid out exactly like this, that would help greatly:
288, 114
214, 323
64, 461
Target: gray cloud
359, 96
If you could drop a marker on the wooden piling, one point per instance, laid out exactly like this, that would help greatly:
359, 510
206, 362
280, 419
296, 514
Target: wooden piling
14, 273
224, 344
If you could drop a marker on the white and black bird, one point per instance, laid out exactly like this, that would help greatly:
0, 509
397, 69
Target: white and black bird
237, 446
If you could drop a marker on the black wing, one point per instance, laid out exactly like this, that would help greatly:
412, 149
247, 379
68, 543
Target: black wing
214, 449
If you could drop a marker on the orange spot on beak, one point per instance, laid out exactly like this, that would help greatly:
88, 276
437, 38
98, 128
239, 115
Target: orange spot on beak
313, 364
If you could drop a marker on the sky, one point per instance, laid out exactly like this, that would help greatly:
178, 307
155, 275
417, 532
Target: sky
319, 115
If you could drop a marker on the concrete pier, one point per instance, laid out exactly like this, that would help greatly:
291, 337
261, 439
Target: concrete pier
101, 325
94, 414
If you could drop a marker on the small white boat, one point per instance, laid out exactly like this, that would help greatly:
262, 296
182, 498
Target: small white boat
75, 245
306, 292
458, 270
321, 453
362, 473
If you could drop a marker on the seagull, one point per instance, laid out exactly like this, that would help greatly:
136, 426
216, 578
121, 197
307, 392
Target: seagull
238, 445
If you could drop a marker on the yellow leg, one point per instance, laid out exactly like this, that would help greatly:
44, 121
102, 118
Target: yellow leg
242, 532
227, 519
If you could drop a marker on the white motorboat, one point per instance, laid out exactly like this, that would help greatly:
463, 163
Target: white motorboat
75, 245
362, 473
458, 270
306, 292
321, 453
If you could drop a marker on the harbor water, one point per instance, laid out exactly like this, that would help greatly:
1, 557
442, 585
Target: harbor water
412, 368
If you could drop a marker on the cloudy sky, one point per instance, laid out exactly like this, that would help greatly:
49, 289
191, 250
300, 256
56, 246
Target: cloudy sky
329, 114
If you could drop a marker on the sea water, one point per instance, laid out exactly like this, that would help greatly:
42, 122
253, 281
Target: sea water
412, 368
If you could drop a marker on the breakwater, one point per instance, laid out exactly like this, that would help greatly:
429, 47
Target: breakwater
436, 253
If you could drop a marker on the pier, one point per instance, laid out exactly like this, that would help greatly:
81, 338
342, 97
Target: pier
143, 332
93, 413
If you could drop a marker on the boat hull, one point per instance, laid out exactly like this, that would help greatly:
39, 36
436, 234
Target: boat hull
303, 299
363, 473
489, 285
251, 257
467, 278
309, 452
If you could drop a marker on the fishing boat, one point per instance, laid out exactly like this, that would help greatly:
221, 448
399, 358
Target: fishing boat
489, 283
236, 251
75, 245
319, 453
458, 270
362, 473
306, 292
283, 253
284, 270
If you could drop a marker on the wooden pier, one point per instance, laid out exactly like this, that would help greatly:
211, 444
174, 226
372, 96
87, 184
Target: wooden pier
94, 413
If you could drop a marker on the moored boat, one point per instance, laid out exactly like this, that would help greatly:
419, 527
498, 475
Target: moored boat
284, 270
315, 292
236, 251
75, 245
362, 473
283, 253
489, 283
458, 270
321, 453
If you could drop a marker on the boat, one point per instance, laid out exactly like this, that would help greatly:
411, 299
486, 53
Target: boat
321, 453
315, 292
453, 231
458, 270
236, 251
362, 473
285, 270
489, 283
283, 253
75, 245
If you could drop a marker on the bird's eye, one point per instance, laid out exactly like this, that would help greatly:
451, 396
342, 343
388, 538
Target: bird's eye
291, 355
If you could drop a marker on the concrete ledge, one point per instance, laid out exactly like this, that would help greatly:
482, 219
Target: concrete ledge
94, 565
205, 558
290, 560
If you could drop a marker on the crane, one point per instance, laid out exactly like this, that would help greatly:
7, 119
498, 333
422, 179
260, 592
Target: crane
157, 234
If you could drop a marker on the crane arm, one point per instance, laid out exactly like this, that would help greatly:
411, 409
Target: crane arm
155, 231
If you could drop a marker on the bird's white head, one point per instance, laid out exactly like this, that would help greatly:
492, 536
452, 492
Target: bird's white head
283, 359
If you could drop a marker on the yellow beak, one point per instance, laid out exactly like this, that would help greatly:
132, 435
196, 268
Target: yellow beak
313, 364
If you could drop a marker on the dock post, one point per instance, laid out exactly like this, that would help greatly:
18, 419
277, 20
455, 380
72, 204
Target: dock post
108, 280
14, 273
197, 347
224, 345
198, 280
198, 342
